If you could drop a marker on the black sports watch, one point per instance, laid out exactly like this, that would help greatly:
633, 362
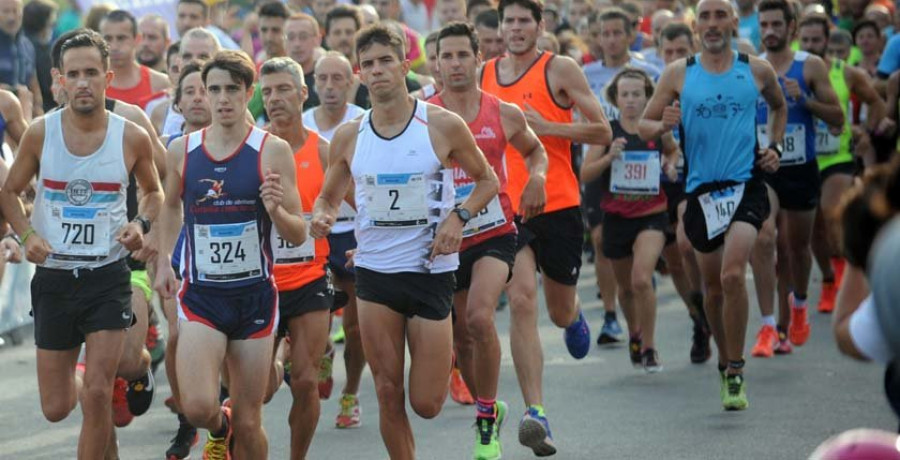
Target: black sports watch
464, 214
145, 223
776, 146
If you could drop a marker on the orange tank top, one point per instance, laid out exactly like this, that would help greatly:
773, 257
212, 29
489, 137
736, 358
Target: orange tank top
296, 267
136, 95
532, 88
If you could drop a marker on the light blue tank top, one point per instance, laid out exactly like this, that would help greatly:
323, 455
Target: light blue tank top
799, 145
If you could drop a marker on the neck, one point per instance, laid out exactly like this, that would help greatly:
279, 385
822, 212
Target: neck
127, 70
229, 135
717, 62
779, 58
872, 56
394, 110
332, 115
617, 61
189, 128
87, 122
291, 131
462, 101
629, 124
309, 66
521, 62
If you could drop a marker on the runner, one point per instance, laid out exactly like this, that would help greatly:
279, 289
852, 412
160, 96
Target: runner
431, 61
132, 83
334, 76
12, 120
547, 88
305, 296
635, 210
398, 156
79, 236
489, 240
726, 197
794, 189
228, 304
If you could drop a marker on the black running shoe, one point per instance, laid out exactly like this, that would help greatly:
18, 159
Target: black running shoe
634, 351
182, 443
140, 394
650, 361
700, 349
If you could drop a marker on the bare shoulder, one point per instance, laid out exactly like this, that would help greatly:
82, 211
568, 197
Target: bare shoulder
511, 114
562, 66
761, 68
130, 112
159, 80
7, 100
441, 119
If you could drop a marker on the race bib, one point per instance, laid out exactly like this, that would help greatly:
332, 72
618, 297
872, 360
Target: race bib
491, 216
794, 143
397, 200
636, 173
719, 207
227, 252
79, 233
346, 213
826, 143
287, 253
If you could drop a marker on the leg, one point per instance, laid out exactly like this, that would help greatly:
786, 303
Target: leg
739, 242
310, 332
821, 247
524, 340
135, 361
783, 269
169, 310
488, 278
246, 361
622, 268
200, 354
382, 331
606, 280
710, 271
763, 260
103, 351
647, 247
57, 382
691, 267
430, 346
672, 255
276, 374
562, 302
832, 190
354, 356
463, 341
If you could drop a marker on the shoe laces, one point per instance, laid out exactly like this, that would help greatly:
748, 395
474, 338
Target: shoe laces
734, 384
485, 429
325, 366
348, 405
216, 449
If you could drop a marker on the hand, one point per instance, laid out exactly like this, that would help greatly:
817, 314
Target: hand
669, 169
448, 237
616, 148
271, 191
536, 121
671, 117
768, 160
165, 283
534, 198
37, 249
11, 250
886, 127
836, 130
149, 250
792, 89
321, 224
132, 236
350, 254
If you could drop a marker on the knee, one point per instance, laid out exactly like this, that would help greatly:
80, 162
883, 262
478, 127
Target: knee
480, 324
560, 317
198, 411
427, 407
767, 236
57, 409
732, 279
523, 301
642, 282
390, 397
134, 367
304, 385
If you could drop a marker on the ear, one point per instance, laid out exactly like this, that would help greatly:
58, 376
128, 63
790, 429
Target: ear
304, 94
109, 77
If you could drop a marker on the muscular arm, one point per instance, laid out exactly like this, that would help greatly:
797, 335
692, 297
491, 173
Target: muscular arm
461, 148
667, 91
171, 213
596, 162
569, 78
859, 85
825, 105
767, 81
15, 118
139, 146
24, 169
523, 139
137, 116
287, 217
337, 176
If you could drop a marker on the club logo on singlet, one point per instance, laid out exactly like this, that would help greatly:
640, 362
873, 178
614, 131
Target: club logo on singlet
486, 133
216, 190
79, 192
723, 107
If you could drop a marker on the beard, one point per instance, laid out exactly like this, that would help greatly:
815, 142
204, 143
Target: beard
152, 62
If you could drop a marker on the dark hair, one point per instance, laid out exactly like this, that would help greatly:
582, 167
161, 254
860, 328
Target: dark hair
489, 19
612, 89
85, 38
121, 16
56, 49
816, 20
196, 2
769, 5
381, 35
864, 24
341, 12
172, 50
864, 210
673, 30
612, 14
458, 29
473, 3
236, 63
36, 15
432, 38
535, 6
191, 67
274, 9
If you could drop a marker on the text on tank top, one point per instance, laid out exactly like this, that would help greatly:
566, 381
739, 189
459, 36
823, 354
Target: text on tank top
403, 192
533, 88
632, 181
80, 206
299, 265
137, 94
799, 144
227, 228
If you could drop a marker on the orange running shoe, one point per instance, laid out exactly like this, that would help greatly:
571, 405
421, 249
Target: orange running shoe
766, 340
827, 299
798, 331
458, 389
838, 264
121, 415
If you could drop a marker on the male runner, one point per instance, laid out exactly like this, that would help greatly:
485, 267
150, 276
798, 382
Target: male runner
12, 119
727, 203
132, 82
228, 304
546, 88
489, 239
334, 76
153, 42
79, 236
398, 157
794, 188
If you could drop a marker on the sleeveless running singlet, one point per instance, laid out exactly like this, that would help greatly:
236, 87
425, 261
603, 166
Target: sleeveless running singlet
830, 149
137, 94
799, 143
532, 88
497, 218
632, 182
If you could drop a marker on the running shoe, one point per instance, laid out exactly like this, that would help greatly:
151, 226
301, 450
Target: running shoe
459, 391
784, 345
534, 433
798, 331
578, 337
219, 448
736, 397
487, 434
611, 332
634, 352
121, 415
326, 382
155, 345
184, 440
828, 297
650, 361
339, 336
140, 394
348, 417
766, 341
838, 265
287, 372
723, 385
700, 349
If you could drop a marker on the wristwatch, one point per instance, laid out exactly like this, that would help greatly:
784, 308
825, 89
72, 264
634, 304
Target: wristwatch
776, 146
145, 223
464, 214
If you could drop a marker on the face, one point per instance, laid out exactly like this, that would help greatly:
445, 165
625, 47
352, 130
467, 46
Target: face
519, 29
84, 79
577, 10
194, 103
631, 97
333, 80
431, 60
271, 31
321, 9
673, 50
122, 44
153, 44
197, 48
11, 16
775, 31
173, 68
188, 16
474, 11
282, 98
341, 36
838, 51
450, 10
301, 41
868, 41
614, 40
382, 71
490, 42
715, 24
458, 64
227, 98
387, 9
812, 40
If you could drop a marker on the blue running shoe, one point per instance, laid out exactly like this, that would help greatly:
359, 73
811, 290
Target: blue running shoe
611, 332
534, 433
578, 337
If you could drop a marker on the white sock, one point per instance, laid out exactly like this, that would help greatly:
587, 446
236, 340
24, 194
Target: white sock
769, 320
800, 304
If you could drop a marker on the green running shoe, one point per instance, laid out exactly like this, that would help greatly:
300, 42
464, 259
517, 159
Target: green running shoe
487, 435
338, 337
736, 396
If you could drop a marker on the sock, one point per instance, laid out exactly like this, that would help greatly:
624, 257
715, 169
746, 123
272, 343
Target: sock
736, 366
722, 368
696, 299
485, 408
636, 337
799, 303
768, 320
220, 434
609, 316
538, 408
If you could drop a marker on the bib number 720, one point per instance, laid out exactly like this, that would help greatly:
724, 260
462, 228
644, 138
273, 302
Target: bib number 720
226, 252
79, 233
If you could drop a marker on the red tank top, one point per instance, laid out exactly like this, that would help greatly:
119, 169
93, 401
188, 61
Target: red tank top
497, 217
532, 88
310, 177
138, 94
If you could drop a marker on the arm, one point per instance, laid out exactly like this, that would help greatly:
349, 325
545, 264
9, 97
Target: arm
37, 106
158, 117
279, 191
565, 75
671, 153
893, 94
159, 81
137, 116
138, 147
23, 170
767, 81
337, 179
170, 220
877, 121
825, 104
853, 291
661, 115
15, 118
523, 139
596, 162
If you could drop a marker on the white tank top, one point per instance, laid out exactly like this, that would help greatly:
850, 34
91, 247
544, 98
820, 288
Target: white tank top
80, 206
173, 122
402, 193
